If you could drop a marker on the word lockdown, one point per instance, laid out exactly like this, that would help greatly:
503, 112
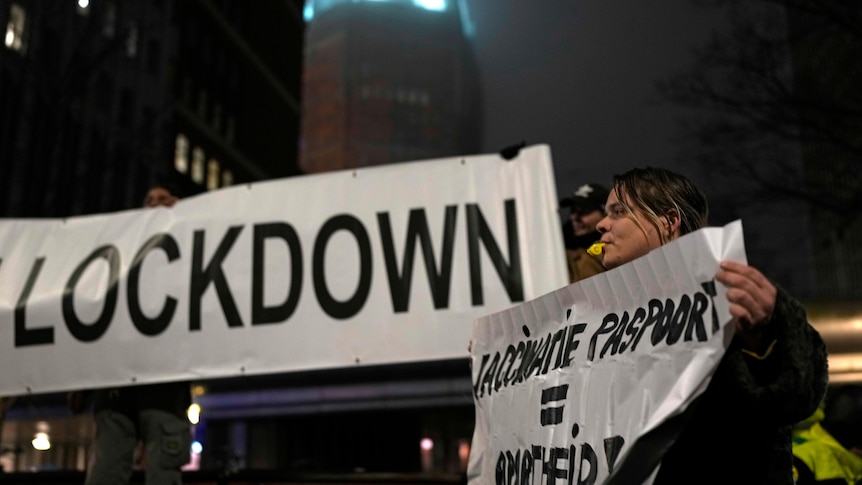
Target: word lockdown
206, 274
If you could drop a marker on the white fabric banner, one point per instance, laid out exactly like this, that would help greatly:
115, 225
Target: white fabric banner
565, 385
385, 264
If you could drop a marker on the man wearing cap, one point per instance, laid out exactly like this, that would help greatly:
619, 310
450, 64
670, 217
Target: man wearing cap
586, 208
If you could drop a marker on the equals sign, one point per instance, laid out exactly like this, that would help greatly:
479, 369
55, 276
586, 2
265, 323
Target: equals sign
553, 415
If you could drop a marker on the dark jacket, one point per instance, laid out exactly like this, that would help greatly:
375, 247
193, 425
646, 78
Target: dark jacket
581, 264
171, 397
738, 431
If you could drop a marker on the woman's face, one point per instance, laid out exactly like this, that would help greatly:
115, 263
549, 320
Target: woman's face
624, 240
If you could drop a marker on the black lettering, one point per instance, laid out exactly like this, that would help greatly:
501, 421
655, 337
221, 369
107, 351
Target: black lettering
202, 277
510, 274
334, 308
558, 338
515, 377
492, 371
659, 329
479, 377
655, 308
607, 326
526, 467
260, 314
588, 456
500, 470
538, 454
550, 469
613, 446
90, 332
539, 357
158, 324
508, 358
613, 343
527, 360
512, 462
417, 228
632, 328
572, 343
30, 336
678, 322
695, 318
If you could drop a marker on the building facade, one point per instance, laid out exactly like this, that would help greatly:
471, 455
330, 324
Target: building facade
387, 82
102, 98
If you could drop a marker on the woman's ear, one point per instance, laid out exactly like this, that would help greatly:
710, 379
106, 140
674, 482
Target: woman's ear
671, 224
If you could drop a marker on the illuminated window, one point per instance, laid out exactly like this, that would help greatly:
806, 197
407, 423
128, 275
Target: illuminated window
15, 28
109, 21
83, 7
181, 154
132, 41
226, 178
212, 174
438, 5
198, 165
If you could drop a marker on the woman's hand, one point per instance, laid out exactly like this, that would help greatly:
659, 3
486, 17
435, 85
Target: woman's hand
752, 299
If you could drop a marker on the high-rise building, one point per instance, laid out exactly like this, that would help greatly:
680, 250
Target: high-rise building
102, 98
387, 81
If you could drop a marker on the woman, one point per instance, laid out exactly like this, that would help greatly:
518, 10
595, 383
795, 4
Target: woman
772, 375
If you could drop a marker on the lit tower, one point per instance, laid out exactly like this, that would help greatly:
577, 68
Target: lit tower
387, 81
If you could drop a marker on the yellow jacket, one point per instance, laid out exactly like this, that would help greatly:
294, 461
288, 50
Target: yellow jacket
816, 453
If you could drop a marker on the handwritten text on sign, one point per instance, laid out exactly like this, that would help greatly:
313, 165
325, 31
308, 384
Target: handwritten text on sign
603, 369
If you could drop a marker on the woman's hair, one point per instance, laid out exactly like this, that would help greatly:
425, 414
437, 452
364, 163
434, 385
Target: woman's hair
656, 193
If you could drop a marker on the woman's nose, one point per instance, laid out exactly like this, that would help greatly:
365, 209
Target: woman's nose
604, 225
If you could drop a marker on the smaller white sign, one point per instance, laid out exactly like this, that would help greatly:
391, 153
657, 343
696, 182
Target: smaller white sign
565, 385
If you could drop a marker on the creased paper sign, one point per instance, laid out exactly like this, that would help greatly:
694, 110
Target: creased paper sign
566, 384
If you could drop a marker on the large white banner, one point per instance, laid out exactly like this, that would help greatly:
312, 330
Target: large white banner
567, 384
379, 265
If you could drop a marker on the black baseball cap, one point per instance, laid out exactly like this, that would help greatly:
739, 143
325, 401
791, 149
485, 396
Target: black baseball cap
587, 198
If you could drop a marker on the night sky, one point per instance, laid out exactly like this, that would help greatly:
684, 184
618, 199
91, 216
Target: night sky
579, 76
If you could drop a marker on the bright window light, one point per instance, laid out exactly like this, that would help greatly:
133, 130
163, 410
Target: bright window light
213, 174
14, 38
198, 165
438, 5
194, 413
41, 442
181, 154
